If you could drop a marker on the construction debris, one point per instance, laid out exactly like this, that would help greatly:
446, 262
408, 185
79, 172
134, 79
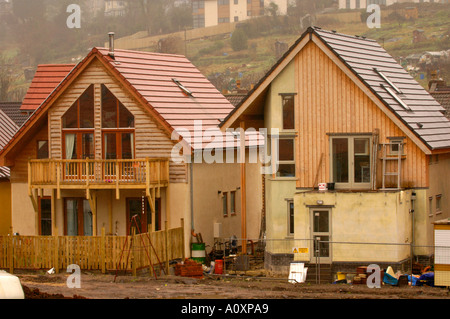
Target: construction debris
189, 268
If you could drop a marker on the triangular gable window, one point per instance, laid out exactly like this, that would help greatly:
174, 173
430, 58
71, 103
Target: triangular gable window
114, 113
81, 113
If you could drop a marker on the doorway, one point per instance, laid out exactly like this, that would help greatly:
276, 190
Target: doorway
139, 207
321, 235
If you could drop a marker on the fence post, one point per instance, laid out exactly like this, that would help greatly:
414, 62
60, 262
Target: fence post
56, 251
182, 239
133, 251
10, 252
166, 239
103, 250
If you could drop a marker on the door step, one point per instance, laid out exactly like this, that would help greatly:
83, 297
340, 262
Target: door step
321, 274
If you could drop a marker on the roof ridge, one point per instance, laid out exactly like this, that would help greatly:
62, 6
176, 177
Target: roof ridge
334, 32
143, 52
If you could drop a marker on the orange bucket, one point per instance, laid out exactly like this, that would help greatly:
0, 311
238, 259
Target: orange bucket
218, 269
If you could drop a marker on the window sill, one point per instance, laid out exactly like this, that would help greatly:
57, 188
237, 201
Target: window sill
283, 179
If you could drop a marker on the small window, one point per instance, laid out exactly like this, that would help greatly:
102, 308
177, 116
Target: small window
396, 145
286, 158
233, 203
42, 150
225, 204
430, 206
288, 112
438, 204
45, 216
291, 228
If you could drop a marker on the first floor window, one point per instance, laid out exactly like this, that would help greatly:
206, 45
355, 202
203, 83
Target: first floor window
233, 202
42, 150
350, 159
225, 204
291, 217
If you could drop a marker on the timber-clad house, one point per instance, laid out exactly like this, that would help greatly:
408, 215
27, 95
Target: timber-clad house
98, 149
350, 118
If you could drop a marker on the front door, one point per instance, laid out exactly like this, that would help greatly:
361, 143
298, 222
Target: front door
321, 235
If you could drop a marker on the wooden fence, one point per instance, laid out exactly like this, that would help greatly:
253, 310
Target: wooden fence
104, 253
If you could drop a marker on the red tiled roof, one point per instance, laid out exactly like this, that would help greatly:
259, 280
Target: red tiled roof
46, 79
152, 75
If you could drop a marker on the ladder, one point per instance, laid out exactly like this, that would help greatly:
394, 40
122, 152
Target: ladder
392, 158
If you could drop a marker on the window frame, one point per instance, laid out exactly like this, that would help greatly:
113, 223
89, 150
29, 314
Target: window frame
40, 215
438, 204
285, 97
225, 204
351, 184
287, 162
38, 147
290, 218
233, 203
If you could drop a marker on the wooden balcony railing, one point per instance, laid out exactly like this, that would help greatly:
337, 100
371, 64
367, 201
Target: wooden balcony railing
98, 174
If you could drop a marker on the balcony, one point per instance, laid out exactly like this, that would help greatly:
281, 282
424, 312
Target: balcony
92, 174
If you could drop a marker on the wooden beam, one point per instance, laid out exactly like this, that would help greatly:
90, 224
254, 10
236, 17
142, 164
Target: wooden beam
243, 190
53, 212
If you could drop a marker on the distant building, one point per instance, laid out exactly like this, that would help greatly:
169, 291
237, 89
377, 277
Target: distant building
362, 4
5, 7
208, 13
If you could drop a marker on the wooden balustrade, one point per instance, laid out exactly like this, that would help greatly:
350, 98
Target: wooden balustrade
92, 173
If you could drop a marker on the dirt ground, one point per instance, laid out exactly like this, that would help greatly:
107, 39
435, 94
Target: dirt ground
245, 286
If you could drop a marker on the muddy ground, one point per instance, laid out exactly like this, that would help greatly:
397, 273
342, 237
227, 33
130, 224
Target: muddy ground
246, 286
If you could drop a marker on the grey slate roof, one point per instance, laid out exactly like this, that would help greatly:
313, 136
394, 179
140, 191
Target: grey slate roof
423, 114
7, 130
12, 109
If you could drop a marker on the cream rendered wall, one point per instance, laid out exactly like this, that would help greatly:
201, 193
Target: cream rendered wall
5, 208
359, 217
209, 179
23, 216
238, 10
278, 190
211, 13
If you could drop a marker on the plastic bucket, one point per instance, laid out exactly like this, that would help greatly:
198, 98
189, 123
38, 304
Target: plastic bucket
198, 252
218, 269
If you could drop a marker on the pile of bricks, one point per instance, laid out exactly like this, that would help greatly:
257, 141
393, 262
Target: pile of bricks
189, 268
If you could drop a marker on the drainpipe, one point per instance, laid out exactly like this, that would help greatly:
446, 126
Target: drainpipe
413, 217
192, 192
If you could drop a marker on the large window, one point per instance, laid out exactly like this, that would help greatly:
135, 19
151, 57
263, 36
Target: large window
78, 127
117, 128
350, 158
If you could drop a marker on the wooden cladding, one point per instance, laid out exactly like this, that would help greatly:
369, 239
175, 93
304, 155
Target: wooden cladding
151, 141
329, 102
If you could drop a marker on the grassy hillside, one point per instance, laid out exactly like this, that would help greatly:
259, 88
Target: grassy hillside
216, 59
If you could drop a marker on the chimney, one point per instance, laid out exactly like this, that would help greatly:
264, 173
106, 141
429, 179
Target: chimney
111, 44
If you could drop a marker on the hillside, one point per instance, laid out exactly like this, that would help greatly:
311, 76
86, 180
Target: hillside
222, 65
214, 56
